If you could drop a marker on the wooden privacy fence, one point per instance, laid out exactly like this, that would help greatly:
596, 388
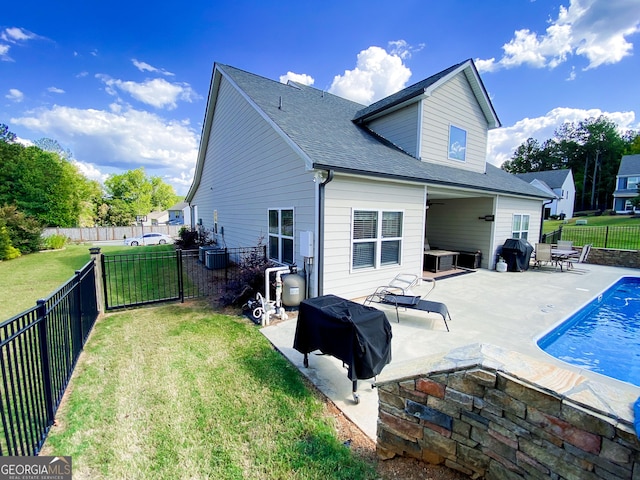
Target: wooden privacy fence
97, 234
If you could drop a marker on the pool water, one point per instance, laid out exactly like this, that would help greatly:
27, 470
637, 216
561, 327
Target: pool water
604, 336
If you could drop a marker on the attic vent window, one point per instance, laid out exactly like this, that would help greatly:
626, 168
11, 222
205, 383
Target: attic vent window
457, 143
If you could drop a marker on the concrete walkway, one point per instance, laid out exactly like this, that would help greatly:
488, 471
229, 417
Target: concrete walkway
510, 310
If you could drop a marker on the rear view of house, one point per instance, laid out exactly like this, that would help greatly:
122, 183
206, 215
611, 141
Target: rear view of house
355, 194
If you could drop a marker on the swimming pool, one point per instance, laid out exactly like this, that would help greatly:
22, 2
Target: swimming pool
604, 335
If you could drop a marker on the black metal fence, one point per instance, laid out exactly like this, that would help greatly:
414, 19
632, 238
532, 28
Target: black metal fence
38, 351
616, 237
145, 278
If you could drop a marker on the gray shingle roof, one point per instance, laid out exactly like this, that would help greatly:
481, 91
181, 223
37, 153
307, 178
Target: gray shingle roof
629, 165
403, 95
321, 125
553, 178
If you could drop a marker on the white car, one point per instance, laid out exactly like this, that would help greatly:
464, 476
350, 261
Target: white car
149, 239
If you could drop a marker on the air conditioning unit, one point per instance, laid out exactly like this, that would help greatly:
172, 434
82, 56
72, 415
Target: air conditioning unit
216, 258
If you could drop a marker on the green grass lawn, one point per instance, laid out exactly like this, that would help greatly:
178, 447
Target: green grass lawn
593, 221
179, 391
28, 278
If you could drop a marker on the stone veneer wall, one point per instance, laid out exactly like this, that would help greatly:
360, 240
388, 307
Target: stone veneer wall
471, 412
616, 258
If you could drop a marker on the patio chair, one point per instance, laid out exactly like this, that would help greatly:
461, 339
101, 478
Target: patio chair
543, 254
565, 245
399, 298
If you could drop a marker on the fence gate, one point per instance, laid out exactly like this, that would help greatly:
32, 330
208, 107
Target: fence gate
151, 277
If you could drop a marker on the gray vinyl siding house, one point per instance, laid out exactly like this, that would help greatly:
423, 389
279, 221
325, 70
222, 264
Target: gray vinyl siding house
627, 183
371, 186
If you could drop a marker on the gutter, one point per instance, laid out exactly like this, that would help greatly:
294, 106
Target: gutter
320, 257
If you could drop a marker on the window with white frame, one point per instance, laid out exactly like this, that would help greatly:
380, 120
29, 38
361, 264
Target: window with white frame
376, 238
633, 183
281, 235
520, 227
457, 143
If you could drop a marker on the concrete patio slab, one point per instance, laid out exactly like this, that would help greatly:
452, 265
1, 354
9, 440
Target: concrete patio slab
510, 310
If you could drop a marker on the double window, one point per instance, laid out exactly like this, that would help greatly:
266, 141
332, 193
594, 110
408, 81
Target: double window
281, 235
520, 227
376, 238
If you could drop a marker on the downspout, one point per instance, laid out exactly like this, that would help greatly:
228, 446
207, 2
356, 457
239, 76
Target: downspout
320, 255
542, 218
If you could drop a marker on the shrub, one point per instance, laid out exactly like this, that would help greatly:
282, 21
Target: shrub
25, 232
54, 242
7, 250
190, 239
250, 279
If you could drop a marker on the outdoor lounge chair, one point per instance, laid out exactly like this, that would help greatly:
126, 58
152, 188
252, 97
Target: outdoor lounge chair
584, 254
404, 298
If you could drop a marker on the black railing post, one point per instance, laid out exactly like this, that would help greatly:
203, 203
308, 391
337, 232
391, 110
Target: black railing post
606, 237
79, 333
180, 279
46, 359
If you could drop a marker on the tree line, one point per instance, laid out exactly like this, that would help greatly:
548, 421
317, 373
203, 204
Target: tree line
40, 186
591, 148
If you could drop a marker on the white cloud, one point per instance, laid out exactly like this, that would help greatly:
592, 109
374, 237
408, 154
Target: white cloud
4, 52
55, 90
104, 141
90, 171
594, 29
377, 74
15, 95
402, 49
302, 78
15, 34
145, 67
156, 92
504, 141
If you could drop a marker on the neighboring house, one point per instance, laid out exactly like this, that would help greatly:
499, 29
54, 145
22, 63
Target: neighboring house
180, 214
157, 218
354, 194
627, 183
561, 183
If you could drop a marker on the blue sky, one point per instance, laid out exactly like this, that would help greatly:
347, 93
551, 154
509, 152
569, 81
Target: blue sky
124, 85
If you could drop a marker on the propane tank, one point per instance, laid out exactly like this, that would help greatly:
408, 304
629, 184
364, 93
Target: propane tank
293, 289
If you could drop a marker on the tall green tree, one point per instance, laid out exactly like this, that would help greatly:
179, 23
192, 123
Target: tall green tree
133, 193
591, 148
163, 195
6, 135
41, 184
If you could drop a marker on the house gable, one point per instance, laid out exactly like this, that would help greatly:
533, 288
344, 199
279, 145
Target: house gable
422, 119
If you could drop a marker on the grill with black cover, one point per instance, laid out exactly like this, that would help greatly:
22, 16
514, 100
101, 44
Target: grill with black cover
517, 253
358, 335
